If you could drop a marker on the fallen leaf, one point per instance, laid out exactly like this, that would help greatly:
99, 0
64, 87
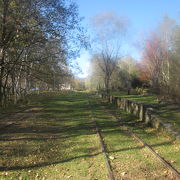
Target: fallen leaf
123, 173
69, 176
111, 157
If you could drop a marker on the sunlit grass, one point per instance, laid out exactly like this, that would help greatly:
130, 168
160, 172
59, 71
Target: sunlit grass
130, 159
56, 140
165, 145
170, 113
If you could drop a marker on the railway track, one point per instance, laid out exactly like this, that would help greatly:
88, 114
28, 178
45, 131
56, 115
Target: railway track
97, 126
103, 147
149, 148
137, 139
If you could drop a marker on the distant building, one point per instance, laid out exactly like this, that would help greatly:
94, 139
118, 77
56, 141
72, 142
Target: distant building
66, 87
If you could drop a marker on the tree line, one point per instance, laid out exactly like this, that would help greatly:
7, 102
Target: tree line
157, 70
37, 40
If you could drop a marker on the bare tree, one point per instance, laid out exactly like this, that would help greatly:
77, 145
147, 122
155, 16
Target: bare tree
107, 64
166, 32
109, 29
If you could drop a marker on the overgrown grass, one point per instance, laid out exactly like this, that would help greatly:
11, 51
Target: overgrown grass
54, 140
129, 160
170, 113
164, 145
148, 99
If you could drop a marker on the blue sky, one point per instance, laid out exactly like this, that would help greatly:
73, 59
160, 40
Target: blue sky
144, 16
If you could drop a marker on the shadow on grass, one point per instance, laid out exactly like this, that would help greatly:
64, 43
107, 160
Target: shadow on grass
46, 163
130, 121
58, 133
46, 136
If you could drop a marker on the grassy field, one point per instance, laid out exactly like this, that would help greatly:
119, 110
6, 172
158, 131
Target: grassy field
150, 99
131, 160
55, 139
162, 143
170, 113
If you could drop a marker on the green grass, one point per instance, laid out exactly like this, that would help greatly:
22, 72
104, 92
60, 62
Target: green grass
148, 99
131, 160
162, 143
169, 113
55, 138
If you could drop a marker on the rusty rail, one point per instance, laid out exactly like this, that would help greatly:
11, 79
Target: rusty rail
149, 148
103, 147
